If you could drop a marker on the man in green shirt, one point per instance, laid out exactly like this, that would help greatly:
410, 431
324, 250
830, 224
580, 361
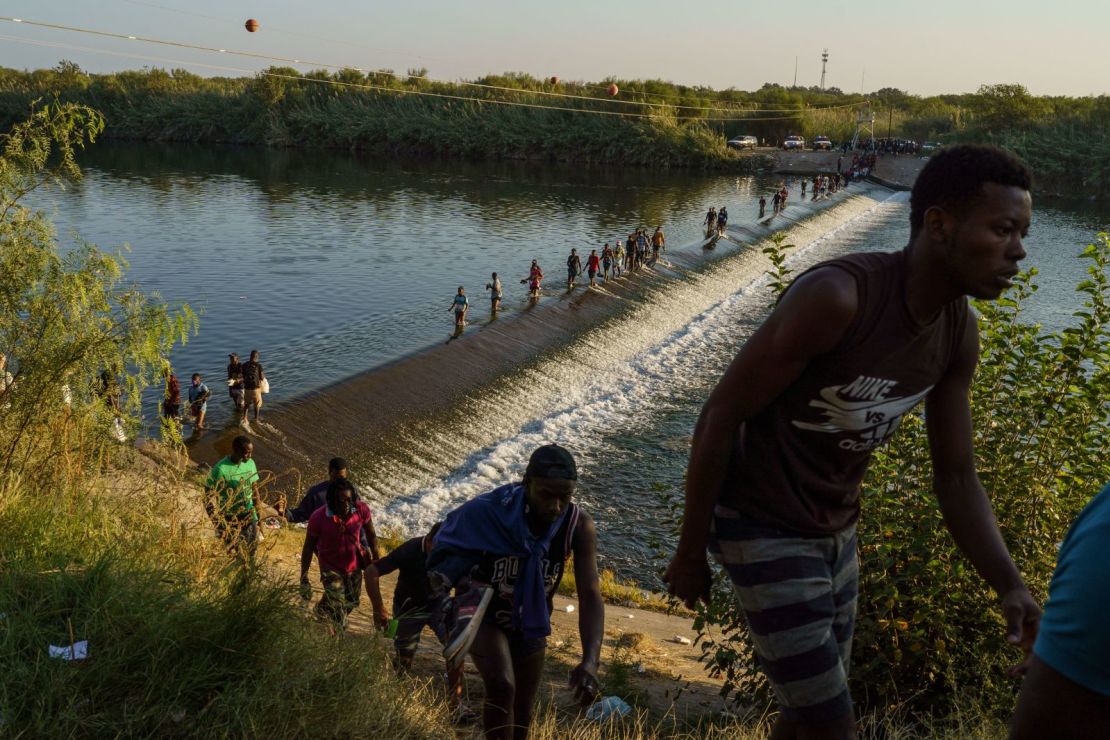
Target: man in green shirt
230, 497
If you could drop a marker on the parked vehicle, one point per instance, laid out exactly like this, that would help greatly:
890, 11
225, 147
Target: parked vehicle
822, 143
794, 142
742, 142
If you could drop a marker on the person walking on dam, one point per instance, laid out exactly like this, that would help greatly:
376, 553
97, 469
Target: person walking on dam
494, 288
784, 440
658, 243
460, 305
593, 266
574, 268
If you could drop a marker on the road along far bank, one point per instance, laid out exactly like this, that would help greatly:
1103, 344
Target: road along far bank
416, 419
898, 173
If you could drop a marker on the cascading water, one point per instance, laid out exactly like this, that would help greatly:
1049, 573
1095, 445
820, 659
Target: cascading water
601, 395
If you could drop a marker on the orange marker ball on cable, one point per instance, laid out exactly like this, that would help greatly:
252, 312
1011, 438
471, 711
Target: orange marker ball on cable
251, 25
613, 90
554, 80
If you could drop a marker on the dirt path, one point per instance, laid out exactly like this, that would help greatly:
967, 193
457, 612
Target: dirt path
641, 661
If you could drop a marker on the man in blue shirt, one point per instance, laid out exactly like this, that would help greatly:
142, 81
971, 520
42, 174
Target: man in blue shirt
1066, 692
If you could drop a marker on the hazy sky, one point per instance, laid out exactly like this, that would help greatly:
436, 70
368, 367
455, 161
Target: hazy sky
923, 47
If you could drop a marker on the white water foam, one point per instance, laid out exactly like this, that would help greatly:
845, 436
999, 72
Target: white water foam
610, 380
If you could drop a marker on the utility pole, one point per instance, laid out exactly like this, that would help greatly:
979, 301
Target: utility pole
889, 121
824, 61
862, 77
795, 71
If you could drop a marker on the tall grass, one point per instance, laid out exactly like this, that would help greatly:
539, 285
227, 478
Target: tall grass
97, 544
182, 642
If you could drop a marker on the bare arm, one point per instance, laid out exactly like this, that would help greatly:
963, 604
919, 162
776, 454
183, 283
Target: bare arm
591, 615
963, 501
372, 539
810, 320
373, 589
306, 555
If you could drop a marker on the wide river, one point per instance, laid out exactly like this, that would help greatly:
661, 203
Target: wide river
332, 265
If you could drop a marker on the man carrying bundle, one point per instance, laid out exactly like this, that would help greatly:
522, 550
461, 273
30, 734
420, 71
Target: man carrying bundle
505, 551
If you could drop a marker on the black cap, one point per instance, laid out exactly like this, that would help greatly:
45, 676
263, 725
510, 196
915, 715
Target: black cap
552, 461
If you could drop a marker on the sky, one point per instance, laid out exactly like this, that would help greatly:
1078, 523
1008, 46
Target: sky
923, 48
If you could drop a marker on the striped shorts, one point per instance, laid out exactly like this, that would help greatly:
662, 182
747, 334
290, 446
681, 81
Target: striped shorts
799, 596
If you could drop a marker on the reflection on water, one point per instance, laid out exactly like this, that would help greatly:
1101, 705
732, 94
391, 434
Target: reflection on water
330, 264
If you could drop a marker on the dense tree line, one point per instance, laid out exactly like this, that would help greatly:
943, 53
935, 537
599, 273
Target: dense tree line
664, 124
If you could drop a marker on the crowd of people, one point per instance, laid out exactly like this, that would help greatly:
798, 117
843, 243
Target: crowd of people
772, 492
246, 383
482, 579
638, 249
613, 261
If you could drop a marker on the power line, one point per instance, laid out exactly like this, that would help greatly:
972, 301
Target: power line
379, 88
255, 55
226, 19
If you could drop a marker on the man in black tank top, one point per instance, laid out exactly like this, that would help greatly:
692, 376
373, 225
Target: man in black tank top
772, 487
506, 633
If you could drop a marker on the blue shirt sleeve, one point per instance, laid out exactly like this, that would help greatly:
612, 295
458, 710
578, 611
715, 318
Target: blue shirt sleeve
1073, 637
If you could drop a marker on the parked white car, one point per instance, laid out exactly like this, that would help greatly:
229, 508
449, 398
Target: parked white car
743, 142
794, 142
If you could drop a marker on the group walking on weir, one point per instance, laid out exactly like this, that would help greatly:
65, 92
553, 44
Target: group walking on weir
636, 251
613, 262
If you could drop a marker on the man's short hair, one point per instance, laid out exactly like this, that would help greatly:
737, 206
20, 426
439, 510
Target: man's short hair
953, 178
336, 464
239, 444
196, 376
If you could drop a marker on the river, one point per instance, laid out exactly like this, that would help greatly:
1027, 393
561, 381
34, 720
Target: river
334, 265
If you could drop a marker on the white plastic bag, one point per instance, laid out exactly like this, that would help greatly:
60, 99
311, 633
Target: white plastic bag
610, 706
265, 385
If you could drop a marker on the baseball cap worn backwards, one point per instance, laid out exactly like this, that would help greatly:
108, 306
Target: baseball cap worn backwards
552, 461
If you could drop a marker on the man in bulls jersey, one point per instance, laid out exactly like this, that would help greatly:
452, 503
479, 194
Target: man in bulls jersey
505, 552
782, 444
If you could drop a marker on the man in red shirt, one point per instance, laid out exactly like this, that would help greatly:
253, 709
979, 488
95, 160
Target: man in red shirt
593, 267
334, 532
